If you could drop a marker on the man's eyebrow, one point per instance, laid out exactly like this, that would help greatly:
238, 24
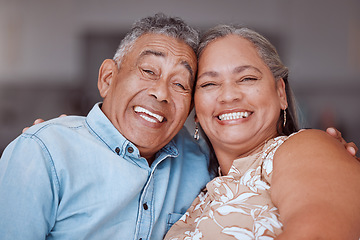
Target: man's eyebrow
152, 52
162, 54
187, 66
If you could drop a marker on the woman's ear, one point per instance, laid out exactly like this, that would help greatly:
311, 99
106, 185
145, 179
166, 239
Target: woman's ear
281, 90
107, 73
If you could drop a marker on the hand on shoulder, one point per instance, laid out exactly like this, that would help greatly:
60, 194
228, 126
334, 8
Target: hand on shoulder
350, 146
39, 120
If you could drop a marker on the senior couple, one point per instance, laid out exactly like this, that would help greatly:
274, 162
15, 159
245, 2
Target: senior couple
129, 170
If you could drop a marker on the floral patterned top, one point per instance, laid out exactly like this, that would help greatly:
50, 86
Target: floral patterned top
236, 206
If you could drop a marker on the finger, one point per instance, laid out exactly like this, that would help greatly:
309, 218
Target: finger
336, 134
353, 146
333, 132
63, 115
39, 120
351, 150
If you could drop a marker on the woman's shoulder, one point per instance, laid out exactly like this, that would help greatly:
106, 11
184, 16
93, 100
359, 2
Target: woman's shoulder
272, 145
325, 177
309, 139
311, 146
300, 135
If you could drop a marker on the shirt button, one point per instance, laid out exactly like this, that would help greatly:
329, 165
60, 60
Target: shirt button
146, 207
117, 150
130, 150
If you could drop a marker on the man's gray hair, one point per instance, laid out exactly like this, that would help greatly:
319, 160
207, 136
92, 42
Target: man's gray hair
158, 24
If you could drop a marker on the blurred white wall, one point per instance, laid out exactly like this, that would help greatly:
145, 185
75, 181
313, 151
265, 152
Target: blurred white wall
41, 50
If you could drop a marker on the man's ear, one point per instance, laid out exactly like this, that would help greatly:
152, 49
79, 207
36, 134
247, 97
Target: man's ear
107, 73
281, 90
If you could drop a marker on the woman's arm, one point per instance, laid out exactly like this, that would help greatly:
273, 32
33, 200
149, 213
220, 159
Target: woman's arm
316, 186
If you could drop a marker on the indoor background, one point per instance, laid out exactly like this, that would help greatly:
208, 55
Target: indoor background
50, 52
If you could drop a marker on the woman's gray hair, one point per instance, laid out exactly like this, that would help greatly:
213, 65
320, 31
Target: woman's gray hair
158, 24
271, 58
265, 49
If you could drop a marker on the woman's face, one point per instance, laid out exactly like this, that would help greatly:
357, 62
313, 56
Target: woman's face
237, 100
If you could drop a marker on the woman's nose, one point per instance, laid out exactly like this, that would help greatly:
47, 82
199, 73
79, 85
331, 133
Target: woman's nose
229, 93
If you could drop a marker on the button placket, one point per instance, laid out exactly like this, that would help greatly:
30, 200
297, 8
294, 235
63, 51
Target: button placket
146, 211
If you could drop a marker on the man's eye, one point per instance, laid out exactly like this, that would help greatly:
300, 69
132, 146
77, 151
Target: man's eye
180, 85
148, 71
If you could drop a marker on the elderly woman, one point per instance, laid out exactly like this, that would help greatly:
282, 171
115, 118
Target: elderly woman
276, 181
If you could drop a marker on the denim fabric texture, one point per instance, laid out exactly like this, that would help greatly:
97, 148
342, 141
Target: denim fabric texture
79, 178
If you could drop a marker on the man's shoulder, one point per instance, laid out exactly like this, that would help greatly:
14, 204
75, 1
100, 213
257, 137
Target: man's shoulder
39, 137
57, 124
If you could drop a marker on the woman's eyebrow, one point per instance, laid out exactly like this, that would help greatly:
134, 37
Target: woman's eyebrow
242, 68
209, 74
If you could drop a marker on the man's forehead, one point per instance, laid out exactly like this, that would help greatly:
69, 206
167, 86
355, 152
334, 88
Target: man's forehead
163, 45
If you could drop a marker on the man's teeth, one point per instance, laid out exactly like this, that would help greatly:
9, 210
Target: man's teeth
234, 115
143, 110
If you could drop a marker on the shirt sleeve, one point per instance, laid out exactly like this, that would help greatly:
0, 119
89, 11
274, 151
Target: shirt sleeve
28, 190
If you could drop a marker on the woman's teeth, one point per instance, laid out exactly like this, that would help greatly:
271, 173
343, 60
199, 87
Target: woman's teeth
234, 115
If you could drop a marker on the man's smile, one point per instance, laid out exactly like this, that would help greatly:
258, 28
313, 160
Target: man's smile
148, 115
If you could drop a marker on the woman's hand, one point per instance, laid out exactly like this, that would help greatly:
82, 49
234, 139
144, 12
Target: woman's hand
39, 120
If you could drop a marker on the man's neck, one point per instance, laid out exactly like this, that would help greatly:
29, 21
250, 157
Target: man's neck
150, 159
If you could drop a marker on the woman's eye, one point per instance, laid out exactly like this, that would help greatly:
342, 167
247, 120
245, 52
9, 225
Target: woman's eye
248, 79
204, 85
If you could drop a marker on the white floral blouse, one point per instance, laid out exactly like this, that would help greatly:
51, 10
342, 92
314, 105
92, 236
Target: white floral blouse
236, 206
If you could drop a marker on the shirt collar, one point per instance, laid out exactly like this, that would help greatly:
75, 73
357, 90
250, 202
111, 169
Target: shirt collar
104, 130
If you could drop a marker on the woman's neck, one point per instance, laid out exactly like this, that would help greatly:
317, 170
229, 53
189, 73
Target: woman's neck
227, 154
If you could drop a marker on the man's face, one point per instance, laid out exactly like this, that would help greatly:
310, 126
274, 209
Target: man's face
148, 99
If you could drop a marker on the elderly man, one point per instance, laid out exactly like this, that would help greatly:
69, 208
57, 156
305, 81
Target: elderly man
127, 170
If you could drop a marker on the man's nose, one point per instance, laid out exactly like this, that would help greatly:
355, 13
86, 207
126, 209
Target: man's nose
160, 90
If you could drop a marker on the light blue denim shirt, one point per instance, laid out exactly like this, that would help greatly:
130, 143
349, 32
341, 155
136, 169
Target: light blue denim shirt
79, 178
